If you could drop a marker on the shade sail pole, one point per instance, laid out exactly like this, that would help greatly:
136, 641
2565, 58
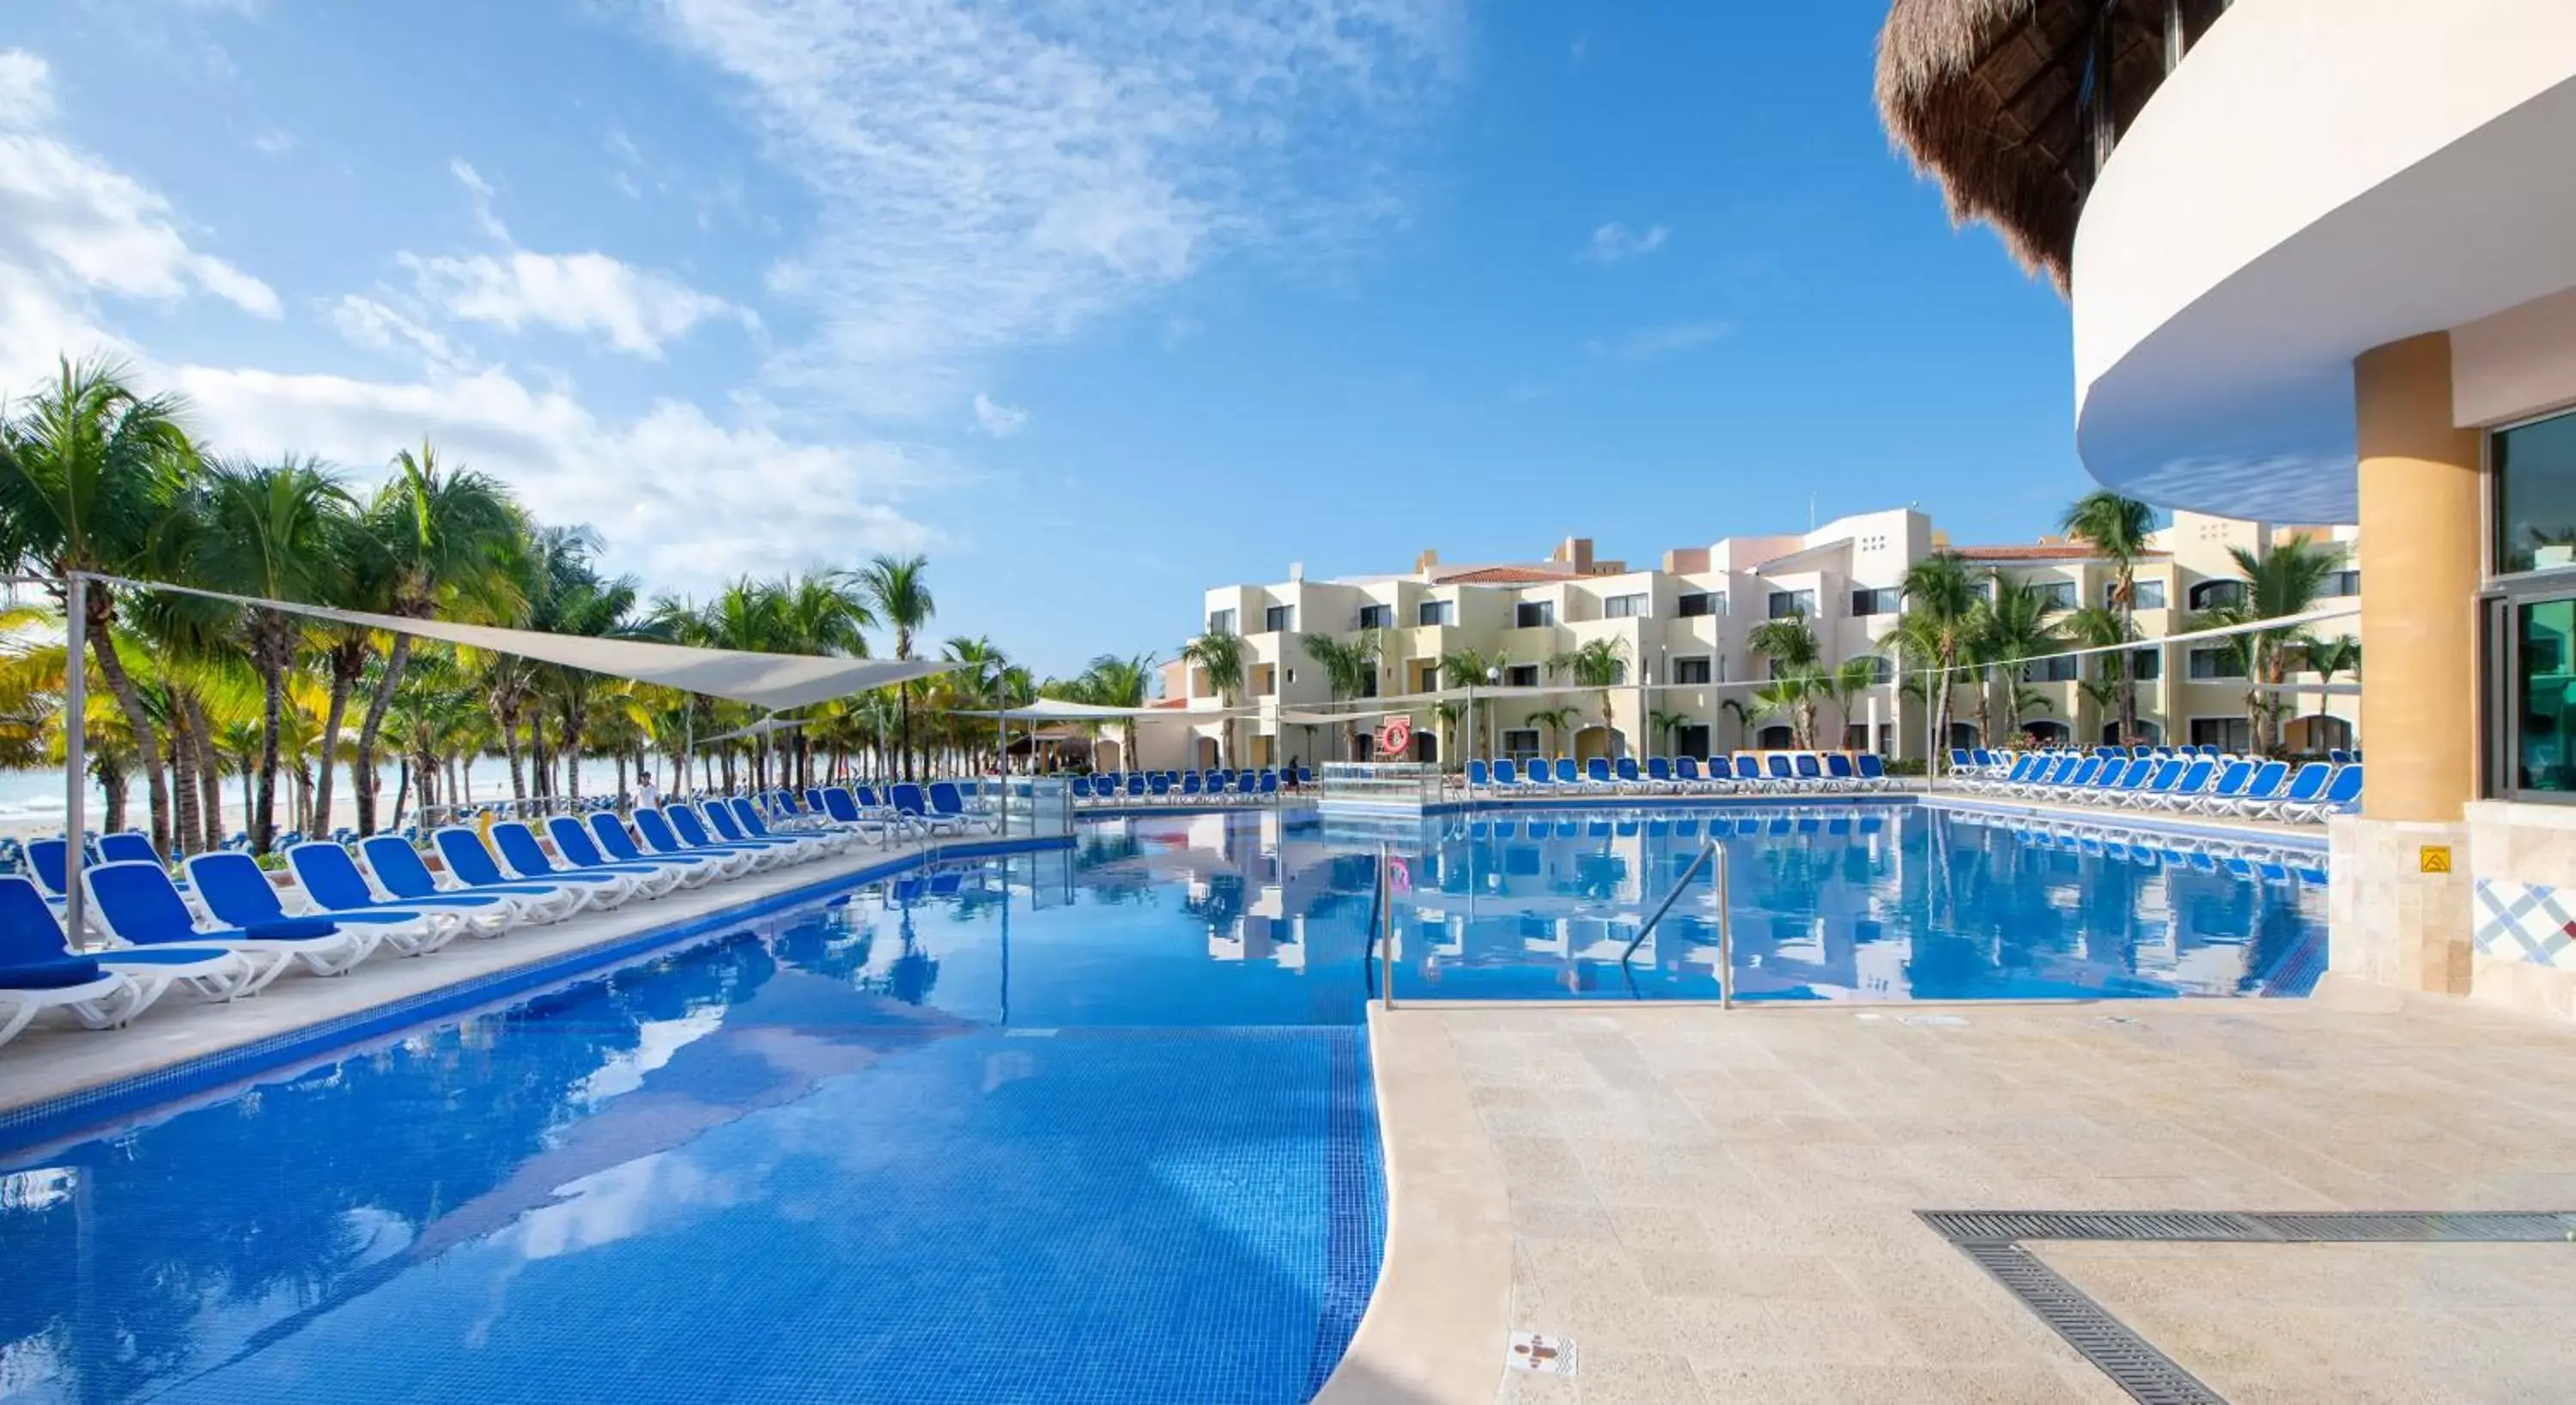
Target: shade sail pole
75, 752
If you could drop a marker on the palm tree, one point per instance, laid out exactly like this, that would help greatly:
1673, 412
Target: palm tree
2283, 581
898, 592
273, 533
1116, 681
2102, 677
90, 471
1659, 728
2116, 528
2328, 657
445, 536
1350, 671
1936, 630
1470, 668
1222, 657
1788, 641
1599, 663
1846, 683
2013, 626
1556, 720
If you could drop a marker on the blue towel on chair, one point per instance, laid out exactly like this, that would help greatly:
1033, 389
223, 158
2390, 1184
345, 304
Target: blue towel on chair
59, 974
293, 929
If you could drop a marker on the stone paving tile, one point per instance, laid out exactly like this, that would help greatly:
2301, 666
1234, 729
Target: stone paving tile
1724, 1208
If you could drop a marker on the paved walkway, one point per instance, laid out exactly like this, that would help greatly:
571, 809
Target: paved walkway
1721, 1207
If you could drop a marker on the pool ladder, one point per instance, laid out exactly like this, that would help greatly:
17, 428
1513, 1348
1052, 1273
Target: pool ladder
1709, 852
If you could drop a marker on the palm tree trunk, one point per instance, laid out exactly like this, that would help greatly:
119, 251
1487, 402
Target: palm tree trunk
907, 727
210, 772
362, 772
156, 778
186, 827
263, 814
332, 716
2128, 674
510, 749
402, 787
111, 784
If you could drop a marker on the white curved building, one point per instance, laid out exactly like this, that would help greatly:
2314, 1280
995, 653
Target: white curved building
2321, 258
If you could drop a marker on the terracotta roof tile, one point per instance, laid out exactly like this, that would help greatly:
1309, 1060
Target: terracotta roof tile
2041, 551
1505, 575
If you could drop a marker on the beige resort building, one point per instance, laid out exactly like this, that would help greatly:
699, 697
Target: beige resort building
1682, 629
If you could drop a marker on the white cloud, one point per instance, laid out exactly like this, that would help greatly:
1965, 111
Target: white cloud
1613, 242
637, 310
682, 499
1656, 343
987, 178
274, 143
73, 228
997, 419
379, 327
480, 191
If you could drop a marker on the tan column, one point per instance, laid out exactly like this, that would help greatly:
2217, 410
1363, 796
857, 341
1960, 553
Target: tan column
2420, 553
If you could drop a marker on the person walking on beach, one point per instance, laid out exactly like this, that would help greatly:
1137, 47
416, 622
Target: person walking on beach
648, 796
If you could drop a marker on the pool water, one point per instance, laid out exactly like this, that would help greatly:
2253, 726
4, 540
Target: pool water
1076, 1125
810, 1160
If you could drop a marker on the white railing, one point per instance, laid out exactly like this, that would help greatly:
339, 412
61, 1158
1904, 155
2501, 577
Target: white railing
1380, 785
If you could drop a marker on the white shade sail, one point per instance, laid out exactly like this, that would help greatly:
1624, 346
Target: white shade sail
776, 681
1059, 710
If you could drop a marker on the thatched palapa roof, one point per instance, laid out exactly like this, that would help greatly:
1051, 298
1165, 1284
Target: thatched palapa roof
1988, 98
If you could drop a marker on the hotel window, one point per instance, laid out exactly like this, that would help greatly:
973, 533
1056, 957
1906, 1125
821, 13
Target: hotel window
2059, 594
1534, 614
2217, 595
2531, 645
1521, 675
2150, 595
1279, 619
1885, 672
1624, 607
2147, 665
2221, 662
1427, 678
1377, 617
2342, 585
1434, 612
1520, 743
1220, 622
2057, 670
1786, 604
1698, 604
1878, 600
1690, 671
2225, 733
2533, 468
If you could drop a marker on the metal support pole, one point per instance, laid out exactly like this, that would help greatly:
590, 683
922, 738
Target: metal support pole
1386, 928
75, 752
1725, 934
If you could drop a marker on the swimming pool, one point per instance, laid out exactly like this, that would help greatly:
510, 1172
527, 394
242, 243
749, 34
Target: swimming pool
1078, 1125
995, 1132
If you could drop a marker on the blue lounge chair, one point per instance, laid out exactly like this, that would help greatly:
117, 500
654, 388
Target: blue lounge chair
1778, 770
2307, 786
1596, 773
948, 803
461, 849
1504, 774
526, 857
1659, 772
2342, 796
618, 846
1839, 772
914, 803
1873, 771
32, 984
718, 823
662, 839
137, 904
2164, 774
399, 870
31, 933
1686, 773
831, 840
1625, 768
1806, 772
878, 822
2186, 788
2270, 785
238, 893
126, 846
581, 848
333, 882
2233, 777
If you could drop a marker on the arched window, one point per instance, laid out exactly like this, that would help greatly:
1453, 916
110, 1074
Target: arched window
1963, 735
2217, 595
2148, 732
1776, 737
2047, 731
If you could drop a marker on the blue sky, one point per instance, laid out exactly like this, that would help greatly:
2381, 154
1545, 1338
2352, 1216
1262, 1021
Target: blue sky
1096, 303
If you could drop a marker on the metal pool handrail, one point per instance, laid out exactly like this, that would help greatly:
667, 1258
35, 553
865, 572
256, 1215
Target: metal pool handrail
1725, 921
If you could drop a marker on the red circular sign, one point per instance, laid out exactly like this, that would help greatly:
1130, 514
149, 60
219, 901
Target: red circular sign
1394, 737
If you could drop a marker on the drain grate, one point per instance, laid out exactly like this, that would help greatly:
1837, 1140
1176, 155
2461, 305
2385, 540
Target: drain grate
2144, 1372
1994, 1237
1966, 1227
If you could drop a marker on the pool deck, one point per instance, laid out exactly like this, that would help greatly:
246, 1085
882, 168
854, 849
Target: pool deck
56, 1059
1717, 1206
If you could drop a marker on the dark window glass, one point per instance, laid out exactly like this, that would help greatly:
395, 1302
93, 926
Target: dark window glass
1690, 670
2225, 733
1522, 675
2535, 495
1279, 618
1884, 600
2217, 595
1788, 603
1534, 614
2217, 663
2544, 695
2058, 670
1697, 604
1434, 612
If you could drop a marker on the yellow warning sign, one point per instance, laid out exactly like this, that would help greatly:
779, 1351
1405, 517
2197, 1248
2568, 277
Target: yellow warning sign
2433, 858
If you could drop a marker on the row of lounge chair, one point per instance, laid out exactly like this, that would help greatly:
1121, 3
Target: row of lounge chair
1773, 773
225, 929
1979, 760
2232, 787
1185, 787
